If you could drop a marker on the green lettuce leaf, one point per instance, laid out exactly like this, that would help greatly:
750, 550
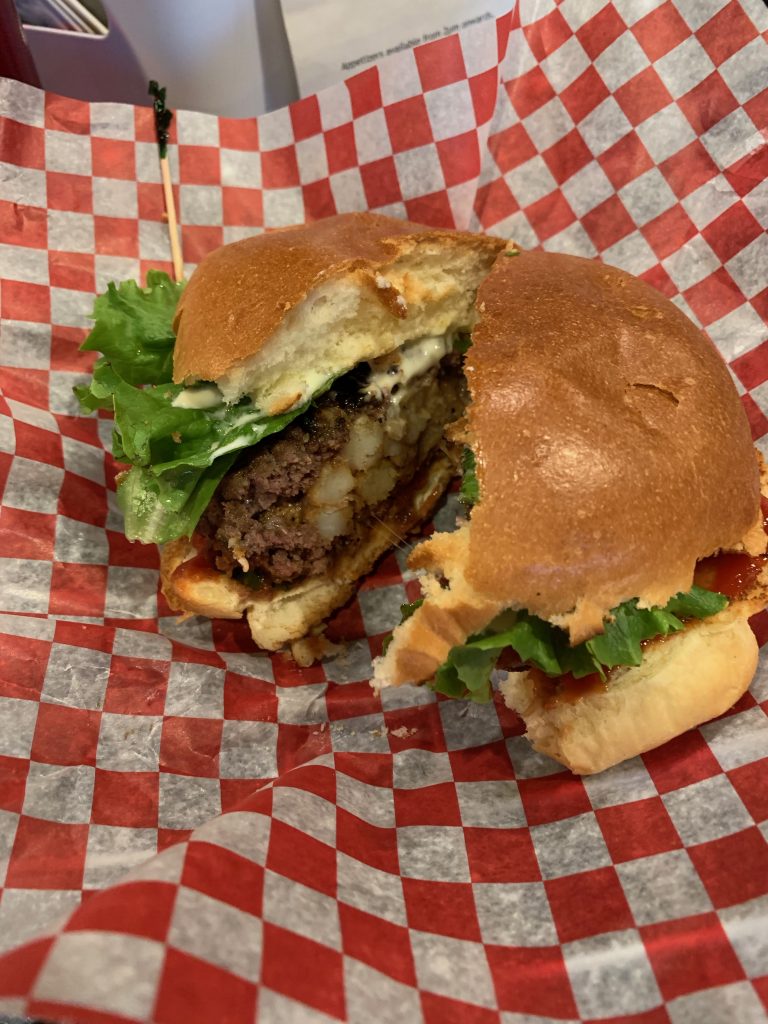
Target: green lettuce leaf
469, 493
158, 509
467, 670
406, 611
621, 642
531, 637
178, 456
467, 673
134, 328
448, 682
697, 603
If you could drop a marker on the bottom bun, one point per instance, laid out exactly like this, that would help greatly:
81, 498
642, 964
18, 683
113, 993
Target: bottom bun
685, 679
277, 618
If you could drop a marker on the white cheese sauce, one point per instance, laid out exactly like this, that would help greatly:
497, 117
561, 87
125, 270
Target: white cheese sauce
224, 449
206, 396
390, 373
245, 418
314, 381
408, 362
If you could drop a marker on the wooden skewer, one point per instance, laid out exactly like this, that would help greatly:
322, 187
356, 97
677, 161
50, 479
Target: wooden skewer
163, 118
173, 226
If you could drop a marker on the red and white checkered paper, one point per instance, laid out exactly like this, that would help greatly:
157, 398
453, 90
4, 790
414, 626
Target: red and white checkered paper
226, 836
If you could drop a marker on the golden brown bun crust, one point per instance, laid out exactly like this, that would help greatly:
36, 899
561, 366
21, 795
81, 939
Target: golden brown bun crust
279, 618
612, 448
683, 681
449, 614
241, 293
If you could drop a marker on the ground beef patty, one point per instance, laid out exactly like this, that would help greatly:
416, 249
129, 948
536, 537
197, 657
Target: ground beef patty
270, 514
256, 513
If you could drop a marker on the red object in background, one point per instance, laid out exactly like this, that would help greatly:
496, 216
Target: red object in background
15, 58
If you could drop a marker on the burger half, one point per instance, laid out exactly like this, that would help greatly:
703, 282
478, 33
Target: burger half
615, 547
284, 413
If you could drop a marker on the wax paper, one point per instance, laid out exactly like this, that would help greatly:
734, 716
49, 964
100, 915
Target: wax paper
192, 830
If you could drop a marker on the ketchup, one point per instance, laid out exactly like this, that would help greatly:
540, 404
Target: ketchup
565, 689
197, 569
732, 574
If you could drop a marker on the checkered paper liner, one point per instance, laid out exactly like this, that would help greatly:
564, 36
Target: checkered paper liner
191, 830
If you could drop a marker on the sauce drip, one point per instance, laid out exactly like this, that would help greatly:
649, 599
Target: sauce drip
198, 569
732, 574
565, 689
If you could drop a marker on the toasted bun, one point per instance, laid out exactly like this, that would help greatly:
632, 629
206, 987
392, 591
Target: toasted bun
683, 681
685, 678
612, 449
280, 617
451, 613
612, 454
275, 315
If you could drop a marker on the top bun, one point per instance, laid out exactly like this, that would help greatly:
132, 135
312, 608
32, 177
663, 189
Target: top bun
274, 316
612, 449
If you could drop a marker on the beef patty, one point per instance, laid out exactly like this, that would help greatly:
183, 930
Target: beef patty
290, 507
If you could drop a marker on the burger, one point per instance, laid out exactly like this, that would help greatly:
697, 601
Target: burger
614, 547
283, 416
